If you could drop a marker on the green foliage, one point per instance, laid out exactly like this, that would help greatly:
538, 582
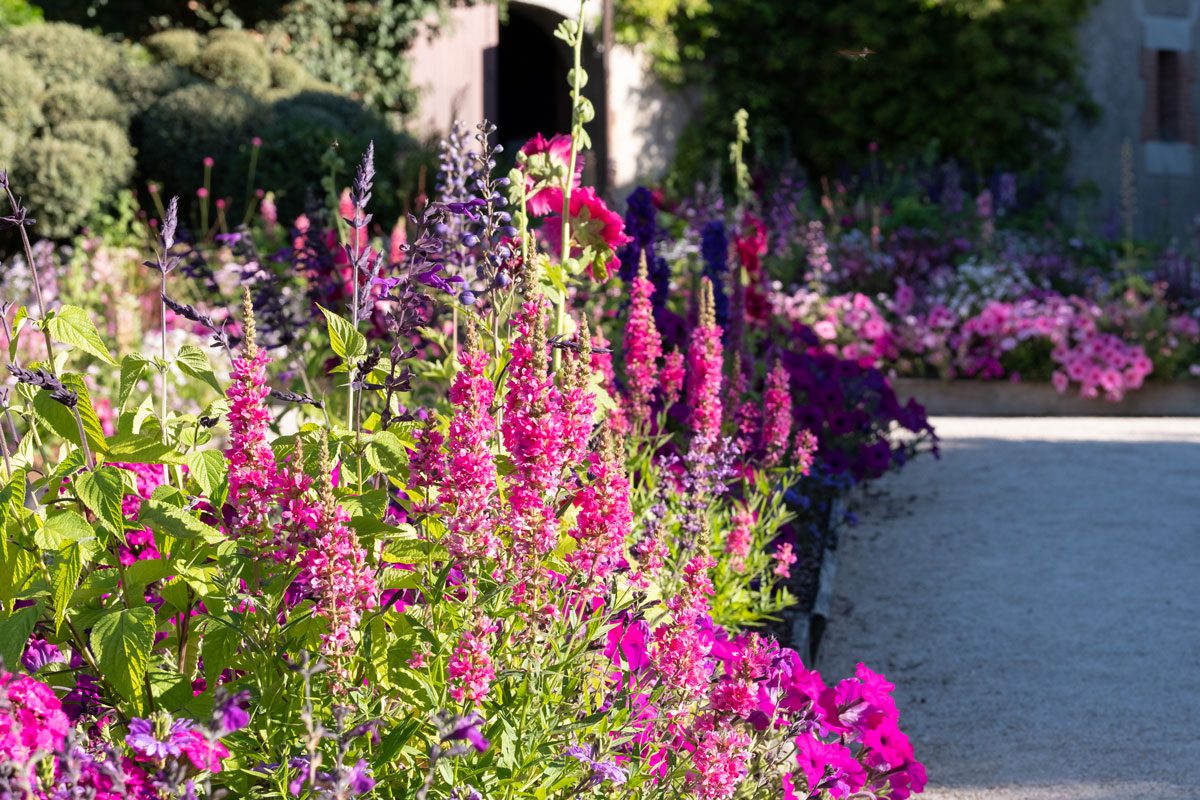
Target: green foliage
178, 46
61, 180
234, 62
61, 52
75, 100
106, 138
18, 12
992, 82
20, 94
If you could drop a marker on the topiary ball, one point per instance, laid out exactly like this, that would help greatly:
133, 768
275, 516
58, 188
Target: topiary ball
9, 140
179, 47
20, 94
234, 63
60, 52
73, 100
59, 183
110, 141
288, 74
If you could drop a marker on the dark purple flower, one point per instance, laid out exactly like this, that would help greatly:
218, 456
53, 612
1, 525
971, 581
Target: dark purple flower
466, 729
41, 653
143, 740
601, 771
230, 714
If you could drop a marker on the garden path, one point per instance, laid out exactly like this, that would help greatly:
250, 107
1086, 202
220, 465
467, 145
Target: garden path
1033, 595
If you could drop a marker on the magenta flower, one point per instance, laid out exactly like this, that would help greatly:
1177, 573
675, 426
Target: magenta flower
831, 766
604, 520
470, 670
704, 364
470, 485
740, 538
777, 416
546, 164
341, 578
596, 231
719, 762
643, 348
784, 558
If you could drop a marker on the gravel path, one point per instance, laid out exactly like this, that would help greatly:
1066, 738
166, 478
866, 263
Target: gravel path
1034, 595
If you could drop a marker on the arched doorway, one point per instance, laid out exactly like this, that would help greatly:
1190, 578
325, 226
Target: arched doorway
532, 93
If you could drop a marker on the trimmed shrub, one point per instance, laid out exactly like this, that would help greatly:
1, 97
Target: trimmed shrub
65, 102
60, 52
9, 140
194, 122
234, 62
108, 139
142, 85
60, 182
20, 94
289, 75
179, 47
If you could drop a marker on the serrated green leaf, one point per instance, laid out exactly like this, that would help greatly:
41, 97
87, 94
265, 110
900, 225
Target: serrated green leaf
133, 366
386, 453
102, 491
193, 361
142, 448
176, 522
68, 564
61, 419
219, 646
343, 338
15, 573
73, 326
209, 469
22, 316
62, 527
14, 633
122, 641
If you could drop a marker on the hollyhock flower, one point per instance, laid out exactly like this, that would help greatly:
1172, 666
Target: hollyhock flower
470, 485
470, 671
704, 365
643, 348
777, 416
546, 164
784, 558
595, 229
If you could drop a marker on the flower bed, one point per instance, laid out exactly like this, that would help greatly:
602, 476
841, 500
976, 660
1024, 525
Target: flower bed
449, 511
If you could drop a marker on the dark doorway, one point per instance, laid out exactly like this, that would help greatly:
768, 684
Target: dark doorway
533, 95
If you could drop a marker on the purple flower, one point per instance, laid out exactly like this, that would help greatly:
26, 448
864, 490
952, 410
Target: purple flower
466, 729
230, 714
601, 770
143, 740
41, 653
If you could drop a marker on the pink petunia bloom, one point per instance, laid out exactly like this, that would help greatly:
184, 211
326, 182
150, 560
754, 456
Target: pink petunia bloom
831, 766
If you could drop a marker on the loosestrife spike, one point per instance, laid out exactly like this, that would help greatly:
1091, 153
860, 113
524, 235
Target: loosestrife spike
325, 484
249, 335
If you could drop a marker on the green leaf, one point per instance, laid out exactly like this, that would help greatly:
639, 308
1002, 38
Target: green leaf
73, 326
102, 491
61, 419
61, 528
133, 366
14, 633
209, 468
64, 575
22, 316
176, 522
193, 361
345, 340
219, 646
16, 571
386, 453
122, 641
142, 448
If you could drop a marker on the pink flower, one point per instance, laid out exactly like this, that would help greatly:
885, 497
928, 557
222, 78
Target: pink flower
831, 766
470, 486
805, 451
777, 416
705, 359
32, 722
269, 214
470, 669
719, 761
546, 164
784, 558
643, 348
604, 520
594, 227
671, 380
740, 538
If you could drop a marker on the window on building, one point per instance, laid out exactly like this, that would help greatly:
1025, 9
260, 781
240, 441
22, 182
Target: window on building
1171, 100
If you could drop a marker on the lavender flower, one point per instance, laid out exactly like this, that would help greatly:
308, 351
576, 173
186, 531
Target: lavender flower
45, 381
601, 771
40, 654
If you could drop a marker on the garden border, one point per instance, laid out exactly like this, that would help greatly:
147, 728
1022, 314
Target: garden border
972, 398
